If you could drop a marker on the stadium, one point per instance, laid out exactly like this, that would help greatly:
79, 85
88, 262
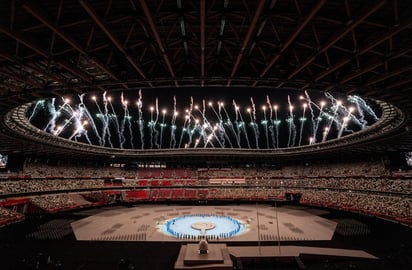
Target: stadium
228, 134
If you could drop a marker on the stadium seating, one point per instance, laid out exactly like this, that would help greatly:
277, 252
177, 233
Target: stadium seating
365, 187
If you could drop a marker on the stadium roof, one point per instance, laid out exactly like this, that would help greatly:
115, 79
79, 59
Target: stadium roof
353, 47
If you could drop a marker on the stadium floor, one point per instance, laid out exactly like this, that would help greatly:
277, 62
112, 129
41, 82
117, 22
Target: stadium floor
260, 222
24, 244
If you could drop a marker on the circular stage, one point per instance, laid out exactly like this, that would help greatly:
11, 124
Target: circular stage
211, 226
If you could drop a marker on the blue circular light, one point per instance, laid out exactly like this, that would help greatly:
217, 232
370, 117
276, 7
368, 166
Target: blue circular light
216, 226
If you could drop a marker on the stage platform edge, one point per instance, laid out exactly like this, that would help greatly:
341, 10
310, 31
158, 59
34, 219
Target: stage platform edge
217, 258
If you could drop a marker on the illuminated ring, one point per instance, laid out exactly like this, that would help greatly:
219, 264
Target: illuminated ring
192, 226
